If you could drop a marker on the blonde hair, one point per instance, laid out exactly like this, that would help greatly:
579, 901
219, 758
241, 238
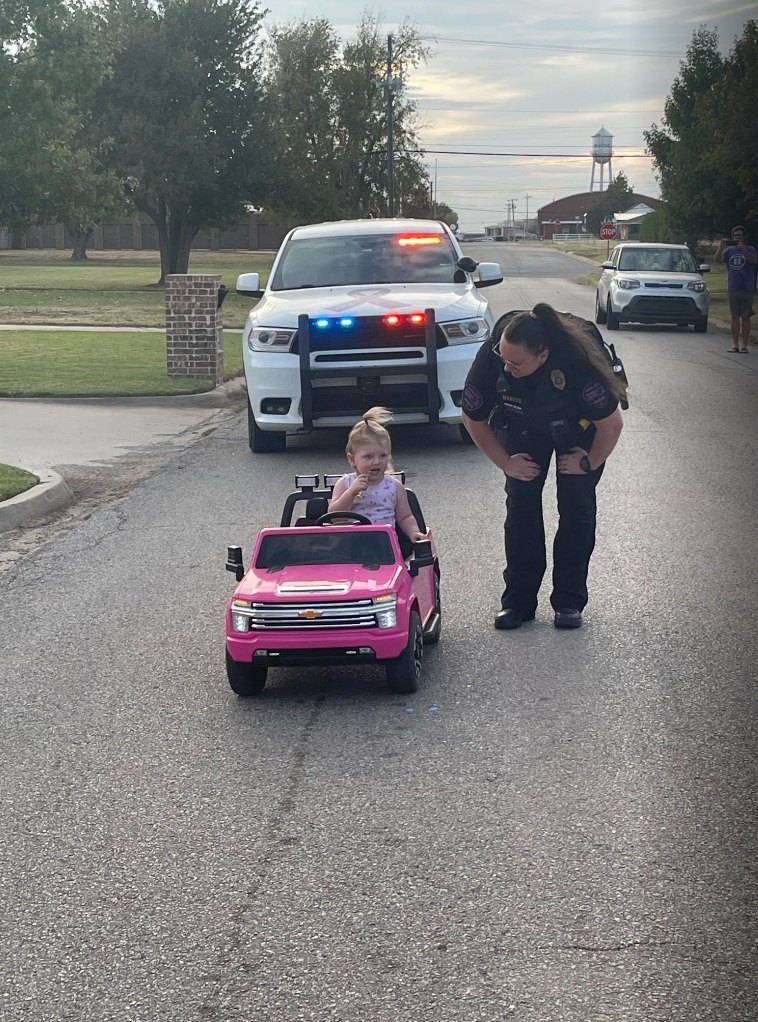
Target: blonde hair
370, 429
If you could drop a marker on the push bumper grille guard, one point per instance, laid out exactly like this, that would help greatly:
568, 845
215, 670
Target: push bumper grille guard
308, 373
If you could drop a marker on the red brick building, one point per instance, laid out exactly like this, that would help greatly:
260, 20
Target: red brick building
566, 216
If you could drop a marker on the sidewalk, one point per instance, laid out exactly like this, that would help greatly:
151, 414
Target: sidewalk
42, 435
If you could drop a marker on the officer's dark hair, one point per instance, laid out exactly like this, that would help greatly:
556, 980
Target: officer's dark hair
545, 329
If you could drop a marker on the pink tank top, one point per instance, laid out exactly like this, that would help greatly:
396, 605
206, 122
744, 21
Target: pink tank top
378, 501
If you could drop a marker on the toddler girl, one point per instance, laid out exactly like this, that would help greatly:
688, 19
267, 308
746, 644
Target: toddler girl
369, 490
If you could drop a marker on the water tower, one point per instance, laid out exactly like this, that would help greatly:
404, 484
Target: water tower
602, 153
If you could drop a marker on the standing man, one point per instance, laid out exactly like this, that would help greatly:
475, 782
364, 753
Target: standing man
741, 260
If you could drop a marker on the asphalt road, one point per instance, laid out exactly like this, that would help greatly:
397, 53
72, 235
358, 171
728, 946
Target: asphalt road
558, 827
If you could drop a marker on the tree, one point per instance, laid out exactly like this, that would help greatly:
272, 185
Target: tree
55, 57
700, 192
729, 117
302, 59
182, 115
618, 196
328, 109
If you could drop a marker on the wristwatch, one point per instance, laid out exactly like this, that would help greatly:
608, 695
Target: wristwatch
584, 464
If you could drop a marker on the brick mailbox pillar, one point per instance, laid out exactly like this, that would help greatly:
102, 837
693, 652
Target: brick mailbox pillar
194, 326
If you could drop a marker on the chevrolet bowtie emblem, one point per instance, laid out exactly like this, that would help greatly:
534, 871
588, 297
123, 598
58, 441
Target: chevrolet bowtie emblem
310, 613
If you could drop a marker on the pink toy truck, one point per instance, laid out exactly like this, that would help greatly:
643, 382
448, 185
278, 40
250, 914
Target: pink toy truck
332, 589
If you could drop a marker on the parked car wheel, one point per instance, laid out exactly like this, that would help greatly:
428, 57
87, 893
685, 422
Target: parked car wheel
600, 314
404, 672
611, 317
261, 441
246, 679
434, 629
701, 326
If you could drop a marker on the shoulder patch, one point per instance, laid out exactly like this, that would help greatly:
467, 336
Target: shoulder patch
472, 400
596, 394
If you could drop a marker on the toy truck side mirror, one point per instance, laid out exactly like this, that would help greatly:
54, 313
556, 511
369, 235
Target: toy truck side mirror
234, 562
422, 556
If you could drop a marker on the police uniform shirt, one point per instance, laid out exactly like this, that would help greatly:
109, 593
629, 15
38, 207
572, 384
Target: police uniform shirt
561, 388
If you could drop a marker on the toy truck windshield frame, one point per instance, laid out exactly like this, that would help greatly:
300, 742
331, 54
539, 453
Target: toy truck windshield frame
326, 545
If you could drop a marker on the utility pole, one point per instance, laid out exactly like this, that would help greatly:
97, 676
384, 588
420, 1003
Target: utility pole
390, 140
434, 193
526, 221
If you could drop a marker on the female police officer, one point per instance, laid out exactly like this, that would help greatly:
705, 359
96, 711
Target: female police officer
545, 386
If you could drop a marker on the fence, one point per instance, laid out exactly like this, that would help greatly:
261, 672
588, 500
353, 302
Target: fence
255, 234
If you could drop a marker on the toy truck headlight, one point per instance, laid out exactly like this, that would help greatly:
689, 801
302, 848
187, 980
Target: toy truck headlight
386, 611
240, 616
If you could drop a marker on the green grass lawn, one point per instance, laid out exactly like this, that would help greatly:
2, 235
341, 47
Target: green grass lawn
14, 481
110, 288
94, 363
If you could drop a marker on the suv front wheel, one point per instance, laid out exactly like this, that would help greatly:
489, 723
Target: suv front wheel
263, 442
600, 315
611, 317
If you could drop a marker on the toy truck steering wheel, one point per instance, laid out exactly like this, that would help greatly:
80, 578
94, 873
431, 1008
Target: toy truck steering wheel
353, 518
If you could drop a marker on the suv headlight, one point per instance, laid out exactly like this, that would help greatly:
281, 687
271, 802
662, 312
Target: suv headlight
628, 284
386, 611
267, 338
466, 330
696, 285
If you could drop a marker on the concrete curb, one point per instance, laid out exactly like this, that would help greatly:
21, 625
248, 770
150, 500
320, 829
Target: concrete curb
50, 494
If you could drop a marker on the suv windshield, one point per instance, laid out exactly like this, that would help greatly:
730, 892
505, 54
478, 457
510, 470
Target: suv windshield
327, 547
669, 260
409, 258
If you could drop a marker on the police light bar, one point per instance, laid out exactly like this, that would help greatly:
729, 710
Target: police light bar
395, 319
306, 482
406, 240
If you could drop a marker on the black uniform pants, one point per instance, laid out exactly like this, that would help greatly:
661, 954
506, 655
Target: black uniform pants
525, 555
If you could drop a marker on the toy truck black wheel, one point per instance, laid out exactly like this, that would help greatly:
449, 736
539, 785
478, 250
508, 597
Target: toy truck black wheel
434, 625
263, 442
404, 672
245, 679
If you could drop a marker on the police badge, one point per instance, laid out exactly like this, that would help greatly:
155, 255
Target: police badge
558, 379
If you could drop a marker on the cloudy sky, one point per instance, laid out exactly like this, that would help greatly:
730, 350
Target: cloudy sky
534, 80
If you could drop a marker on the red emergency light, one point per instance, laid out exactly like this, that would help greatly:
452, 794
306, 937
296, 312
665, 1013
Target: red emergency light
404, 240
394, 319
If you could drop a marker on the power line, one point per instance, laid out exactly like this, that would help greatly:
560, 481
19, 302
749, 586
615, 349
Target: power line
551, 156
561, 49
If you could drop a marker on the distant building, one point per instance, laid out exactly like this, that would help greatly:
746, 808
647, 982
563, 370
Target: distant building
566, 216
628, 223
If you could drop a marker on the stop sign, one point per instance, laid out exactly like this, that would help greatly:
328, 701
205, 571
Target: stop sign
608, 231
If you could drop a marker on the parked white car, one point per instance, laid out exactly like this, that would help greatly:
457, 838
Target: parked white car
648, 283
359, 313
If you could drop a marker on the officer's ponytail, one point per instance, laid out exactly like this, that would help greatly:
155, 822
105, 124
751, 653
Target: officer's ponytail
568, 336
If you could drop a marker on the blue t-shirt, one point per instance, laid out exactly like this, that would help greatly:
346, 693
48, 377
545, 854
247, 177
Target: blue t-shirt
741, 273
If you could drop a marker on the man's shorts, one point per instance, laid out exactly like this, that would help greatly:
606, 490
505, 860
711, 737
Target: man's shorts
741, 304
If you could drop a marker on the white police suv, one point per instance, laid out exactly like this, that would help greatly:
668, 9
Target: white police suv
359, 313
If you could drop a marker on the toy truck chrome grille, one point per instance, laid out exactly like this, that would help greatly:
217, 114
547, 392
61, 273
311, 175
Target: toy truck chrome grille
292, 616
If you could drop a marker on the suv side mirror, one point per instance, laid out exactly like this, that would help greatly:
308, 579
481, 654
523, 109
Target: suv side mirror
489, 274
249, 284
